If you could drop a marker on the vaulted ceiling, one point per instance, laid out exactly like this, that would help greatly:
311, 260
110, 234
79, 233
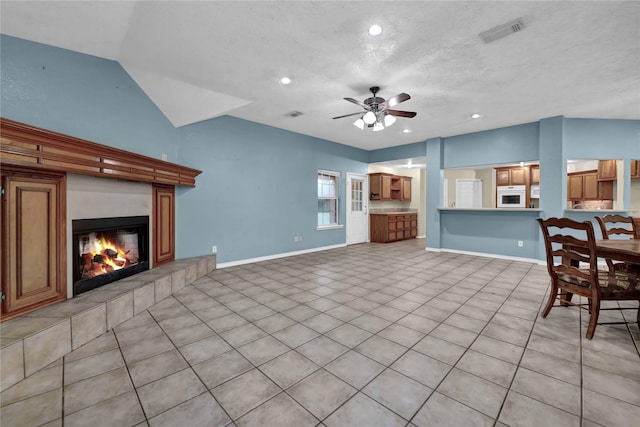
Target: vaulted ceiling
203, 59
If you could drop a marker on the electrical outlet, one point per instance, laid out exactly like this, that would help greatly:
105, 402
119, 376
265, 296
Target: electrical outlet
520, 243
164, 156
214, 249
297, 238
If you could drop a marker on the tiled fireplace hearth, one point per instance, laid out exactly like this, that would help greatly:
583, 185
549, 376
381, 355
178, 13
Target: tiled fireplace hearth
35, 340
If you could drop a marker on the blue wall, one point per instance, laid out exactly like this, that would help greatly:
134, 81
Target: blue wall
258, 189
82, 96
258, 186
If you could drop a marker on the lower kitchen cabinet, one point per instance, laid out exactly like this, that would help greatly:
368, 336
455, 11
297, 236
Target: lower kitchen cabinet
391, 227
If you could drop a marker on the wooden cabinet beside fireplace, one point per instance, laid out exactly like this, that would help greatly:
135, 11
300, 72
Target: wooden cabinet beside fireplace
163, 224
33, 255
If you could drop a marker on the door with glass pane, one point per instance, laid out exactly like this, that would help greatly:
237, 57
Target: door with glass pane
357, 208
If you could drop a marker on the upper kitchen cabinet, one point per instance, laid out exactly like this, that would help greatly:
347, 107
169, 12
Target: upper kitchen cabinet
607, 170
635, 169
535, 175
386, 186
380, 186
594, 184
511, 176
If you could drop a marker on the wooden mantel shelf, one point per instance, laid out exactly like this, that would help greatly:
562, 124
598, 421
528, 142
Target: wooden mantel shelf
29, 146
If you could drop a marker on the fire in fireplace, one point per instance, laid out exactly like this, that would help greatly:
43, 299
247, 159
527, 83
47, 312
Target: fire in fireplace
108, 249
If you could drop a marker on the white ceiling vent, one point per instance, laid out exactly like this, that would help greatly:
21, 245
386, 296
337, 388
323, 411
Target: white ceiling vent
502, 30
294, 113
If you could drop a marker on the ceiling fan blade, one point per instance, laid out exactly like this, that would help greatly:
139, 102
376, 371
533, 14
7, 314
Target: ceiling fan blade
347, 115
395, 100
399, 113
355, 101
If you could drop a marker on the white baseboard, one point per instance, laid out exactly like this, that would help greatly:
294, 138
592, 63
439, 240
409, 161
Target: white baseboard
276, 256
486, 255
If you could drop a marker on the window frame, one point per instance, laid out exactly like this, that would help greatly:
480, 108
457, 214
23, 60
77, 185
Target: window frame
335, 175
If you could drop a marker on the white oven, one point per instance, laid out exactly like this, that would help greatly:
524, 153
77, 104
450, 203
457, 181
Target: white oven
512, 196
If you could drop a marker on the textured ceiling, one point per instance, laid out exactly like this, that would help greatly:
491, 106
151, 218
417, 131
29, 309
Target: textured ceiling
203, 59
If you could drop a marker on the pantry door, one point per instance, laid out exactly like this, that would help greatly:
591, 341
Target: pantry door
357, 208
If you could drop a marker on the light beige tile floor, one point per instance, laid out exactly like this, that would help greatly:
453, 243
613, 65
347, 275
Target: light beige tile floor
366, 335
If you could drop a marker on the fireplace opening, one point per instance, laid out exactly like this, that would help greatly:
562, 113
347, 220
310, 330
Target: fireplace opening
108, 249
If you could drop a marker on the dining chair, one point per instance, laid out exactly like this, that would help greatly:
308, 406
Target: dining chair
569, 243
619, 226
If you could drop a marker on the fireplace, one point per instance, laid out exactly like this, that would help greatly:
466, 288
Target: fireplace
108, 249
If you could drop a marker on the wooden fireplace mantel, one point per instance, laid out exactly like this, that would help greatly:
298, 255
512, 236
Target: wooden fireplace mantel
32, 147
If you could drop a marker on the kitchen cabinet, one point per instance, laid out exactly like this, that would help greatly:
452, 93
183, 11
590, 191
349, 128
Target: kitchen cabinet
380, 186
406, 188
386, 186
586, 186
511, 176
396, 188
607, 170
635, 169
33, 254
391, 227
535, 175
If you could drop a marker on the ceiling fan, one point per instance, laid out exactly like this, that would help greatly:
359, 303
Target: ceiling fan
378, 113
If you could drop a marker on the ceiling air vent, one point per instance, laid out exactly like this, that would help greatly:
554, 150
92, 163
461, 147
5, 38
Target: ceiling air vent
294, 113
502, 30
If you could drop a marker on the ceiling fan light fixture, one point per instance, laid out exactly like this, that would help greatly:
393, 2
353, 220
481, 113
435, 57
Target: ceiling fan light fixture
378, 126
359, 124
389, 120
369, 118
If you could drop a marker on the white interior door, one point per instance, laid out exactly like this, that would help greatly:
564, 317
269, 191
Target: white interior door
357, 208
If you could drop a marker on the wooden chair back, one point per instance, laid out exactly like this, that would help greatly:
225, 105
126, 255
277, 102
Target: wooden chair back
618, 225
569, 243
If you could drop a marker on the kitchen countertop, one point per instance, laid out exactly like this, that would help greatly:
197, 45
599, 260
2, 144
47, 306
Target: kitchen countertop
392, 211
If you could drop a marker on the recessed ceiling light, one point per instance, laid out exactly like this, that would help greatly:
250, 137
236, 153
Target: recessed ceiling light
407, 131
285, 80
475, 115
375, 30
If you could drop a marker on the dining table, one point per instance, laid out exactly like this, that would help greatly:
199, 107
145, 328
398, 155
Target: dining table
619, 250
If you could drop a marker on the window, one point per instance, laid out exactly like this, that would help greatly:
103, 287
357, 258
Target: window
328, 183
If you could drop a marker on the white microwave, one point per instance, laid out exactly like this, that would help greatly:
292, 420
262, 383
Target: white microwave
512, 196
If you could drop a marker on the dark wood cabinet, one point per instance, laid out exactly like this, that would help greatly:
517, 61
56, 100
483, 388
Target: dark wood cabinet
385, 186
380, 186
635, 169
33, 252
391, 227
512, 176
163, 224
535, 175
586, 186
607, 170
406, 188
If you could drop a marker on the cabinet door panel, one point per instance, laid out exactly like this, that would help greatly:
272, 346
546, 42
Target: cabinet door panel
590, 186
502, 177
574, 187
518, 176
34, 231
163, 224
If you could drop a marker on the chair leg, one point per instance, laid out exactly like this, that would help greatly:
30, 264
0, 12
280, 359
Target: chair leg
564, 301
593, 318
553, 294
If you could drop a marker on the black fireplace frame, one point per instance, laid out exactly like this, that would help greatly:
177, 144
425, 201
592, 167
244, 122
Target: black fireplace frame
82, 226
